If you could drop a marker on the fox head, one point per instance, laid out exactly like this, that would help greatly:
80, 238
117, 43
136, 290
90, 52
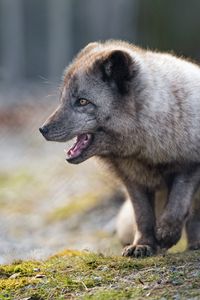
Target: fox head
96, 103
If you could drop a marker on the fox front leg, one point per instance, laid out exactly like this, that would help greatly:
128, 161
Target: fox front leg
144, 243
170, 225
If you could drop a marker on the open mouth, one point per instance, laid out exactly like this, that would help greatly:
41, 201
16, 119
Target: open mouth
83, 141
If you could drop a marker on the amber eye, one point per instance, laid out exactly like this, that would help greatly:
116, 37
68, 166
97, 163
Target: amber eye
83, 102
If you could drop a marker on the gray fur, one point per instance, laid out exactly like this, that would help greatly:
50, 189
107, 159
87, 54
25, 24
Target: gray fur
144, 118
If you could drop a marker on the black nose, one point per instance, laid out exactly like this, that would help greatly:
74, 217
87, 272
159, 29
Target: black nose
44, 130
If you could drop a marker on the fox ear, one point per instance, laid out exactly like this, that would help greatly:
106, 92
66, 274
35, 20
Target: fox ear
118, 67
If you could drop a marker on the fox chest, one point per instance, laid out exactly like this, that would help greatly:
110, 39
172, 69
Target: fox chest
135, 171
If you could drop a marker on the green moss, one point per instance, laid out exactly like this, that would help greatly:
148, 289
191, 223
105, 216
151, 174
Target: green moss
25, 268
84, 275
112, 294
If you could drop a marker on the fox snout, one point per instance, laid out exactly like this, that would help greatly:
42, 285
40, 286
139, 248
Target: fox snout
53, 132
44, 130
53, 128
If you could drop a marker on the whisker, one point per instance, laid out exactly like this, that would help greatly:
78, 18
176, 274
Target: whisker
45, 80
51, 95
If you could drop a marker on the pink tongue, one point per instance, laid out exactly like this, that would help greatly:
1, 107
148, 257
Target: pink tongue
81, 143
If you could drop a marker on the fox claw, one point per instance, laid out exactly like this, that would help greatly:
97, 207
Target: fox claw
138, 251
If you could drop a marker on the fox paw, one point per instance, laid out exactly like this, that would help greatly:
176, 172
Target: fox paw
138, 251
168, 233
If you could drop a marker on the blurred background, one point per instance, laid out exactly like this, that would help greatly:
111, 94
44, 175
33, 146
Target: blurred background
45, 204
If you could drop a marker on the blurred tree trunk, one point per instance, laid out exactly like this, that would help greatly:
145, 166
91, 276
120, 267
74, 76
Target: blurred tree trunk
113, 18
100, 20
60, 36
12, 39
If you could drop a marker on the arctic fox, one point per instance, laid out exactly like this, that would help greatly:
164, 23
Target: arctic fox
139, 111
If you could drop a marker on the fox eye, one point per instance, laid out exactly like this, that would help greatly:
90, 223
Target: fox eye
83, 102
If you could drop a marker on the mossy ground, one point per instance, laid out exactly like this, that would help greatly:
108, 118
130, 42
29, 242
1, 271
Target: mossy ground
84, 275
